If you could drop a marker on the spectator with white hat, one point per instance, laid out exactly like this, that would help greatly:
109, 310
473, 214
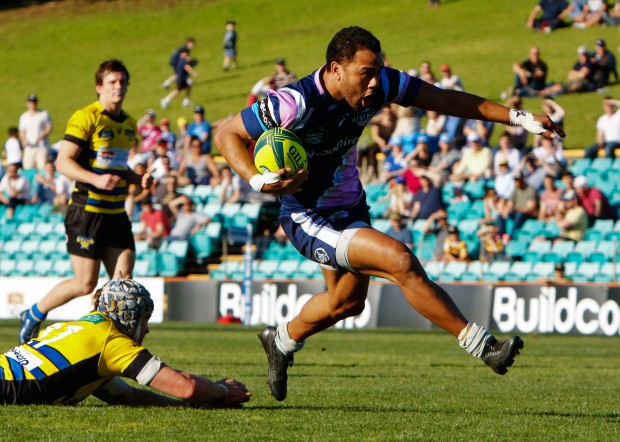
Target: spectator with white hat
593, 201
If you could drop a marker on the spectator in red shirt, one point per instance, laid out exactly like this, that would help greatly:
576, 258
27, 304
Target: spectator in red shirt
154, 225
593, 201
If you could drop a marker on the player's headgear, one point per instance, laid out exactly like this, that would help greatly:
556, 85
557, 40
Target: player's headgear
126, 302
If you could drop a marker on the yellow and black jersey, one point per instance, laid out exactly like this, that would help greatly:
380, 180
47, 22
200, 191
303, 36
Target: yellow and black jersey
105, 141
68, 361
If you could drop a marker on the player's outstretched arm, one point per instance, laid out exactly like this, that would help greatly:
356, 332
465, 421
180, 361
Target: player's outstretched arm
465, 105
118, 392
200, 391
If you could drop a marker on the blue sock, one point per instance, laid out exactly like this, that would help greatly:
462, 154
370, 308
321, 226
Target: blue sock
34, 314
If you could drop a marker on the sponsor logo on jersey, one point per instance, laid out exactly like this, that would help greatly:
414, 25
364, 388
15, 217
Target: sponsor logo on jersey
106, 133
106, 154
263, 114
24, 358
362, 118
95, 319
321, 255
85, 241
337, 215
129, 134
316, 136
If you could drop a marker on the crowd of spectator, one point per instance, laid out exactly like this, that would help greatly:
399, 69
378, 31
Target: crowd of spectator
413, 154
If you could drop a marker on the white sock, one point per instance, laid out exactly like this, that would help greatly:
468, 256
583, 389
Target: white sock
473, 338
284, 342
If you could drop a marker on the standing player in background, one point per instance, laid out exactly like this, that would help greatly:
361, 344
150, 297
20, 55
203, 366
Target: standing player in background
230, 46
323, 209
94, 153
174, 59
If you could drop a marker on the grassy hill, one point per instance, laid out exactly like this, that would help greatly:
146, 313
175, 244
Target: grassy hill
54, 48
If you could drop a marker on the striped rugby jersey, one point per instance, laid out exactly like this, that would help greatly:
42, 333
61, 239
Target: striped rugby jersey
329, 131
68, 361
105, 142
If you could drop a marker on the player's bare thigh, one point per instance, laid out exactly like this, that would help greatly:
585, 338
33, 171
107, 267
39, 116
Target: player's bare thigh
119, 262
374, 253
345, 288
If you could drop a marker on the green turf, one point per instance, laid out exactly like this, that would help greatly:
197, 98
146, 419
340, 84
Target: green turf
380, 385
53, 49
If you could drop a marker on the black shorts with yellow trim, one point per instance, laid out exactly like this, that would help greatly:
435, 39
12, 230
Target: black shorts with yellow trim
89, 233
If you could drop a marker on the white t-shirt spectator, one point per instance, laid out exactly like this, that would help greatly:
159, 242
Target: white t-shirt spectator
34, 125
609, 125
13, 150
21, 184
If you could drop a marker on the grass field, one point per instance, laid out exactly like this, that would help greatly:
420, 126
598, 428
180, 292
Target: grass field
379, 385
53, 49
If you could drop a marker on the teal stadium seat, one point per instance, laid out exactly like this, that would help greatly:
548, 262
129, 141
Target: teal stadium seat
26, 230
580, 165
286, 269
563, 248
515, 249
518, 271
310, 269
585, 247
62, 267
10, 248
603, 225
434, 268
541, 270
496, 271
27, 249
142, 268
45, 230
42, 267
45, 250
25, 213
381, 224
586, 271
455, 269
7, 267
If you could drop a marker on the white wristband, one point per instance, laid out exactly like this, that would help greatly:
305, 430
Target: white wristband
525, 120
258, 181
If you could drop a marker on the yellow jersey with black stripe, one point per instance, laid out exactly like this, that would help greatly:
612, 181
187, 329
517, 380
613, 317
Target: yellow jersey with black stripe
105, 142
68, 361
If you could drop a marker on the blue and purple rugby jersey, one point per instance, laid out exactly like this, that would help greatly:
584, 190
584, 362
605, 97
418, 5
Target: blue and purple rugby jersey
329, 131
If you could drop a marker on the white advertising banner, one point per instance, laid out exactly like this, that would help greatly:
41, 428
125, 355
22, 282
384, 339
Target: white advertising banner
19, 293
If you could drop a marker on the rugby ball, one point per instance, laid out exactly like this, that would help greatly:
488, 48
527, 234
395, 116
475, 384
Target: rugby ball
279, 148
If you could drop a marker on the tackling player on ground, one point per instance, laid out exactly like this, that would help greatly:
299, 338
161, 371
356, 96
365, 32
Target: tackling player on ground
69, 361
324, 211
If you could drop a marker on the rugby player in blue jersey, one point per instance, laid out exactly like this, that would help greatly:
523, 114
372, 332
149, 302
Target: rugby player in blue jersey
323, 209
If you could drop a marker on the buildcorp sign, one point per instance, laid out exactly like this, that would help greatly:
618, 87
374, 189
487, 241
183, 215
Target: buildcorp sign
277, 302
585, 310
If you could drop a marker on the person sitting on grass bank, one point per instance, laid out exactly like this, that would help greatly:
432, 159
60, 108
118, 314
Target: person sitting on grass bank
69, 361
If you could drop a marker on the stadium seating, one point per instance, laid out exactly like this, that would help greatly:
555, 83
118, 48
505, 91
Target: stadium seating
310, 269
42, 267
434, 268
61, 267
27, 249
286, 269
516, 249
26, 230
453, 271
7, 267
497, 271
585, 271
518, 271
